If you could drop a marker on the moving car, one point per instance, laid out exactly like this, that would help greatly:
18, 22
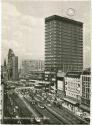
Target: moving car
41, 106
37, 119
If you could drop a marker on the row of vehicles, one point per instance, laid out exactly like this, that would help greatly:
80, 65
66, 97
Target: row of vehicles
27, 95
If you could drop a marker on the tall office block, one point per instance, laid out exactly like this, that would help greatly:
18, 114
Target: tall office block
15, 68
12, 66
63, 44
10, 63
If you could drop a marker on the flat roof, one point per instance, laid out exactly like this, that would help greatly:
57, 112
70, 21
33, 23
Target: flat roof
70, 101
73, 74
87, 71
56, 17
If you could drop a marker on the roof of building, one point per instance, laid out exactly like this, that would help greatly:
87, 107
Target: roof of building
60, 74
11, 53
56, 17
87, 71
73, 74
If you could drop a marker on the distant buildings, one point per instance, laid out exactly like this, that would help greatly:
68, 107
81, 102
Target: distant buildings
35, 75
33, 65
4, 70
63, 44
15, 68
12, 66
32, 69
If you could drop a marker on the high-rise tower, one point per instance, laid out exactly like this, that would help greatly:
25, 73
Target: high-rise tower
12, 66
63, 44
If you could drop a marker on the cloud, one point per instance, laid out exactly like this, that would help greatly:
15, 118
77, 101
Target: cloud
10, 10
21, 33
87, 56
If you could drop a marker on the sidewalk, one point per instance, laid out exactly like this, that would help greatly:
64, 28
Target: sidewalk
74, 114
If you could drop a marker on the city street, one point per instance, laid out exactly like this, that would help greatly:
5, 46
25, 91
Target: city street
26, 105
52, 113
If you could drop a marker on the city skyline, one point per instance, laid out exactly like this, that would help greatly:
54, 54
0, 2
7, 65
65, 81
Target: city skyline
45, 62
23, 27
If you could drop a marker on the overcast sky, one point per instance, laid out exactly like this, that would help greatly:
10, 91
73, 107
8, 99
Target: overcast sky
23, 27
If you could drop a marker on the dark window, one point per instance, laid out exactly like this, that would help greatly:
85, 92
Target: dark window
65, 83
78, 85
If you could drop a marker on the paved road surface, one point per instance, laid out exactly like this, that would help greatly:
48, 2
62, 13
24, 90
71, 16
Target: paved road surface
52, 119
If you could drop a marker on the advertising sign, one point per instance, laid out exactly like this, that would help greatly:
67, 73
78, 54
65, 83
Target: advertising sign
60, 85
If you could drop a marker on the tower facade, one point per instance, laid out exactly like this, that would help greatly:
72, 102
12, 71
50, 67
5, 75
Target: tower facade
63, 44
12, 66
15, 68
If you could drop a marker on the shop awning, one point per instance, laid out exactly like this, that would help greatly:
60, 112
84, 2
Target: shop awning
70, 101
85, 108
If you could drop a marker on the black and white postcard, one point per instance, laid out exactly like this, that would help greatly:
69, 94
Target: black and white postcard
45, 62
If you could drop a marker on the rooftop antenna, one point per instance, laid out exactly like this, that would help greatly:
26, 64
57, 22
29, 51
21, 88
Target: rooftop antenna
70, 12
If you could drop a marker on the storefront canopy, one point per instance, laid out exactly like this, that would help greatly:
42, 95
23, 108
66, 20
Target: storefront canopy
85, 108
70, 101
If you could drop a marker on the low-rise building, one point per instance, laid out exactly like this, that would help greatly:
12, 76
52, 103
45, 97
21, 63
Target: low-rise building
73, 85
86, 89
35, 75
52, 78
77, 89
72, 91
60, 84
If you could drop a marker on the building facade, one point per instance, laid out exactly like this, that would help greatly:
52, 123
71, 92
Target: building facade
12, 66
73, 92
63, 44
4, 71
30, 67
60, 85
77, 88
73, 85
33, 65
86, 87
15, 68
